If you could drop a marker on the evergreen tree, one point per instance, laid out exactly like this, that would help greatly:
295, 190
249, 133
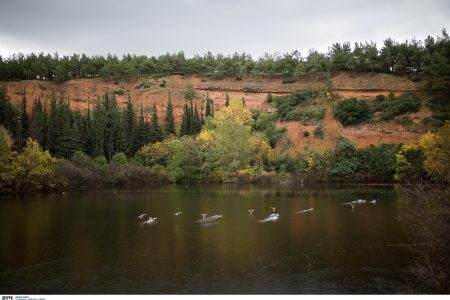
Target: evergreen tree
108, 133
52, 125
44, 128
208, 111
120, 136
196, 121
156, 131
8, 113
169, 124
185, 121
202, 116
189, 93
24, 124
70, 137
227, 100
130, 127
37, 122
98, 121
76, 132
64, 121
191, 118
87, 133
142, 132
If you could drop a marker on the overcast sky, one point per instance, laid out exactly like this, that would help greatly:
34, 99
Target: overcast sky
155, 27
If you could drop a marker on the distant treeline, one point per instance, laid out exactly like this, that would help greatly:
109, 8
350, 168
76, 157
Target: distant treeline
417, 59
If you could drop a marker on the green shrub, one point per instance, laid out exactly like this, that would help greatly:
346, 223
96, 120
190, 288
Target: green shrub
283, 163
406, 102
432, 122
81, 159
274, 134
287, 80
137, 160
119, 92
379, 161
306, 133
288, 103
119, 158
405, 121
379, 98
352, 111
263, 123
319, 133
163, 83
346, 160
307, 116
144, 84
101, 160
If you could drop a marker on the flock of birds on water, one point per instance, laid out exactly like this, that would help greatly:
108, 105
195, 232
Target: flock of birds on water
273, 217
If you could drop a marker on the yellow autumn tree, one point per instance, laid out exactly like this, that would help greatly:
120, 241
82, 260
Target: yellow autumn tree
156, 153
34, 166
235, 111
436, 148
409, 163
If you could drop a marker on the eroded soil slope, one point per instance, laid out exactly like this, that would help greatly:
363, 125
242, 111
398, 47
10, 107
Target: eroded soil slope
151, 89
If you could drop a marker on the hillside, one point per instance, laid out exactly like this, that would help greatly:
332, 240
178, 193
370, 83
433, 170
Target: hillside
152, 89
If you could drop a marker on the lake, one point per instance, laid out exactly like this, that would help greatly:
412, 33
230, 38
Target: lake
94, 243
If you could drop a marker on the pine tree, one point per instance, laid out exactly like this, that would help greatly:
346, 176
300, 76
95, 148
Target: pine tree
269, 98
202, 116
52, 125
120, 137
65, 145
185, 121
24, 124
37, 122
142, 132
109, 106
98, 121
130, 125
87, 133
8, 113
227, 100
208, 111
196, 121
44, 129
156, 131
169, 124
64, 121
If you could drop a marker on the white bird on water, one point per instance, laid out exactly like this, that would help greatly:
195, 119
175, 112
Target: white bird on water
373, 201
141, 216
204, 215
271, 218
150, 220
178, 213
273, 208
251, 211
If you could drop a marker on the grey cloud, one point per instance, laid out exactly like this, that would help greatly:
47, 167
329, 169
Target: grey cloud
198, 26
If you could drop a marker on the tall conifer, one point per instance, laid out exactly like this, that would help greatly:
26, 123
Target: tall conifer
169, 124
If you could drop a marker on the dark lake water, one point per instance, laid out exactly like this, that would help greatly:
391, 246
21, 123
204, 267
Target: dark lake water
93, 242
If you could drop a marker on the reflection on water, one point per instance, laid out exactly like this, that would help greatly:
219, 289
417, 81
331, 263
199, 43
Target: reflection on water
93, 242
